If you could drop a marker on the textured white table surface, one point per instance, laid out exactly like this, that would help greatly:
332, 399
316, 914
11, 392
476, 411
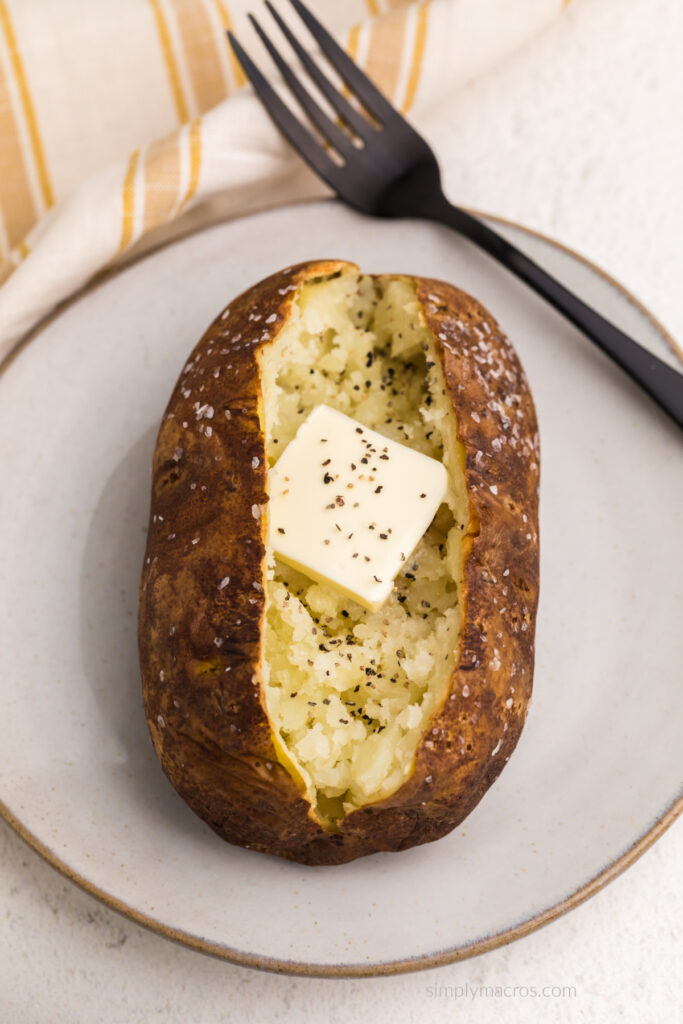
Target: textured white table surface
580, 137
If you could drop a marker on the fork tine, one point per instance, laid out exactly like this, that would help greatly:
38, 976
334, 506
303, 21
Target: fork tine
319, 118
356, 80
353, 118
302, 140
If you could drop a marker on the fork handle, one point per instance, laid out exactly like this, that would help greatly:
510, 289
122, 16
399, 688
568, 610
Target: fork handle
662, 382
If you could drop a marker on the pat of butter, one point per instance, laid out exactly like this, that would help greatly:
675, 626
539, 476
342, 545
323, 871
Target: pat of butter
348, 506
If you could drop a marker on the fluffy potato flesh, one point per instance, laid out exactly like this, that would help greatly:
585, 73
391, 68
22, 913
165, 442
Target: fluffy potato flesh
350, 692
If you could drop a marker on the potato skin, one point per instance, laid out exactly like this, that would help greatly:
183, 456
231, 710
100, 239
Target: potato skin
201, 604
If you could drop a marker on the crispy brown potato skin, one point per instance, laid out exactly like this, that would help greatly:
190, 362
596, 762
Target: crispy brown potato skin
200, 644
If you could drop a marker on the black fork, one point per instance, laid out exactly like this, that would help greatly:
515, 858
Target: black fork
376, 162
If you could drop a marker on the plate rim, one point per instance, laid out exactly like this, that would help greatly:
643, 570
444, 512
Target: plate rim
608, 873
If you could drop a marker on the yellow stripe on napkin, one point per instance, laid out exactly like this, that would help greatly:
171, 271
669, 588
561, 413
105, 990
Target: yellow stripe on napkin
201, 54
128, 218
16, 200
418, 55
162, 181
195, 162
27, 106
228, 26
171, 62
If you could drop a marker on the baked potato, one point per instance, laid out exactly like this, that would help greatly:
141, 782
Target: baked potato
291, 719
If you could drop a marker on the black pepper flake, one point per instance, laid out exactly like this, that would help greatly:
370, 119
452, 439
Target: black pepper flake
384, 536
359, 430
344, 721
423, 495
280, 530
354, 555
294, 694
326, 541
311, 703
365, 460
353, 466
326, 700
401, 598
385, 457
326, 462
378, 489
345, 613
376, 579
327, 479
321, 647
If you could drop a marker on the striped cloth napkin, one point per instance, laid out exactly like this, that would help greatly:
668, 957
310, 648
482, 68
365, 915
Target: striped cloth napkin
125, 123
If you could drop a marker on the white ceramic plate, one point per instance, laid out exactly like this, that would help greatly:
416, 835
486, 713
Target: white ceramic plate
597, 774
